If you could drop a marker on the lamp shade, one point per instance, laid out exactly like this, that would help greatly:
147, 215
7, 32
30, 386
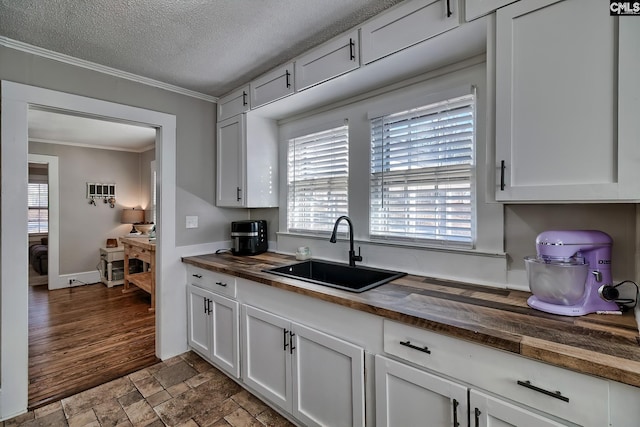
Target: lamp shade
132, 216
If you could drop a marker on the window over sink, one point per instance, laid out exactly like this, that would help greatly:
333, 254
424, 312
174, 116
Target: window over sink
421, 173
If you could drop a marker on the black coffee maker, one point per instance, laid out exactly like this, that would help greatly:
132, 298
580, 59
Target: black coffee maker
249, 237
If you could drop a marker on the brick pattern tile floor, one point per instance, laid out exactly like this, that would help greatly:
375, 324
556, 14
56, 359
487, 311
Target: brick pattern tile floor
184, 391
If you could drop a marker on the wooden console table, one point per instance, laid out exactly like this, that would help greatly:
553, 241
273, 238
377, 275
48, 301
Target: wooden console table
144, 250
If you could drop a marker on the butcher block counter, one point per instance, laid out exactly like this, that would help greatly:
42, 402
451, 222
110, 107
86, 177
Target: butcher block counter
143, 249
607, 346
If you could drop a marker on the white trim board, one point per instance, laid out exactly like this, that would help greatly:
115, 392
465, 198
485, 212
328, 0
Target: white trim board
170, 321
45, 53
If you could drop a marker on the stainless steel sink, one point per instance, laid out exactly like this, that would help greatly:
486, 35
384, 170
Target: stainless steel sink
336, 275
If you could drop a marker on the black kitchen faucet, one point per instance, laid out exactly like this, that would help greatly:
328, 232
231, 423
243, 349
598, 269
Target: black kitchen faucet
352, 254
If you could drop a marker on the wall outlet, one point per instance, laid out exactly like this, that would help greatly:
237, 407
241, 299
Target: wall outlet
72, 280
192, 222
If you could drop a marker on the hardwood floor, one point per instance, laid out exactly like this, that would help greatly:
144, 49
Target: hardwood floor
85, 336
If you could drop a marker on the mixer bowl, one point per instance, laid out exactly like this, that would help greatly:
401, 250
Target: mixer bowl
561, 283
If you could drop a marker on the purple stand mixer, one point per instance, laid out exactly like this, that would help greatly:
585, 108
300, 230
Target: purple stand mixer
570, 272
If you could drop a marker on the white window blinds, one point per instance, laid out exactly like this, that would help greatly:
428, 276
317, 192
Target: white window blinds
38, 202
421, 174
318, 175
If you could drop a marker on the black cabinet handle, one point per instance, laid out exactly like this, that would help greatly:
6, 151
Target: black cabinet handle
221, 284
449, 12
209, 310
555, 394
244, 98
238, 196
291, 347
287, 75
197, 276
502, 168
476, 416
285, 339
424, 349
352, 50
455, 413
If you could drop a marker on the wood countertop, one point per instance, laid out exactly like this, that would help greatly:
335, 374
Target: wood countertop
607, 346
140, 242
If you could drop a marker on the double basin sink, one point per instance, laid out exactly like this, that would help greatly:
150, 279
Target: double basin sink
336, 275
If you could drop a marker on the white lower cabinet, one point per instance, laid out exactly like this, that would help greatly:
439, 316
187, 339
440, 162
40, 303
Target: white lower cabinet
489, 411
213, 328
406, 396
317, 378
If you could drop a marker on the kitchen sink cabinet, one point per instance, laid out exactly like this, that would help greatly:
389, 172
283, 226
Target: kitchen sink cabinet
213, 328
565, 97
405, 25
317, 378
247, 162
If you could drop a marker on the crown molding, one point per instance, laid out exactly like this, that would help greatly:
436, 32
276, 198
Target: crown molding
45, 53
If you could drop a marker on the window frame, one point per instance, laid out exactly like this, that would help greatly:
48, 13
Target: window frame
417, 103
38, 208
329, 127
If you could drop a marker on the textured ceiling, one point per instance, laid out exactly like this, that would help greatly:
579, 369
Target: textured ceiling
208, 46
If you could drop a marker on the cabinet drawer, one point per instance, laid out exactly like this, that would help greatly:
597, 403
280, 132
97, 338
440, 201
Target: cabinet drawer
409, 23
216, 282
236, 102
508, 375
139, 253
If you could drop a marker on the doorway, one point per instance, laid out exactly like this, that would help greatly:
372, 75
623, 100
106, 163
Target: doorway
16, 99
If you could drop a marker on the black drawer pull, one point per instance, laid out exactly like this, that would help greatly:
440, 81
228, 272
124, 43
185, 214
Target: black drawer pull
455, 413
502, 168
476, 416
197, 276
424, 349
221, 284
555, 394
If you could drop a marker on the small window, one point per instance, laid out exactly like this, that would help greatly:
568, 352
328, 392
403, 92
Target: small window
421, 174
38, 202
318, 175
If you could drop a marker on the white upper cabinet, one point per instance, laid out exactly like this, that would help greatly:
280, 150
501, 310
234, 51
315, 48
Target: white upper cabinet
327, 61
233, 104
410, 22
247, 162
476, 8
565, 103
274, 85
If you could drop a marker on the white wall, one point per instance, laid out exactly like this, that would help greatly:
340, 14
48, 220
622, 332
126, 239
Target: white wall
84, 228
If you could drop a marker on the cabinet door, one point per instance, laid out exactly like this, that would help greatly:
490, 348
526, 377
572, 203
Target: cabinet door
405, 25
225, 349
266, 359
274, 85
199, 320
556, 101
407, 396
329, 60
237, 102
488, 411
230, 142
476, 8
328, 378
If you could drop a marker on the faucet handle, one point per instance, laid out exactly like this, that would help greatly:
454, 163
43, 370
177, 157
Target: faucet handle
357, 257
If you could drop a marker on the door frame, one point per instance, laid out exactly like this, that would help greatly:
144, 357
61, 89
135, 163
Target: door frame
15, 103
